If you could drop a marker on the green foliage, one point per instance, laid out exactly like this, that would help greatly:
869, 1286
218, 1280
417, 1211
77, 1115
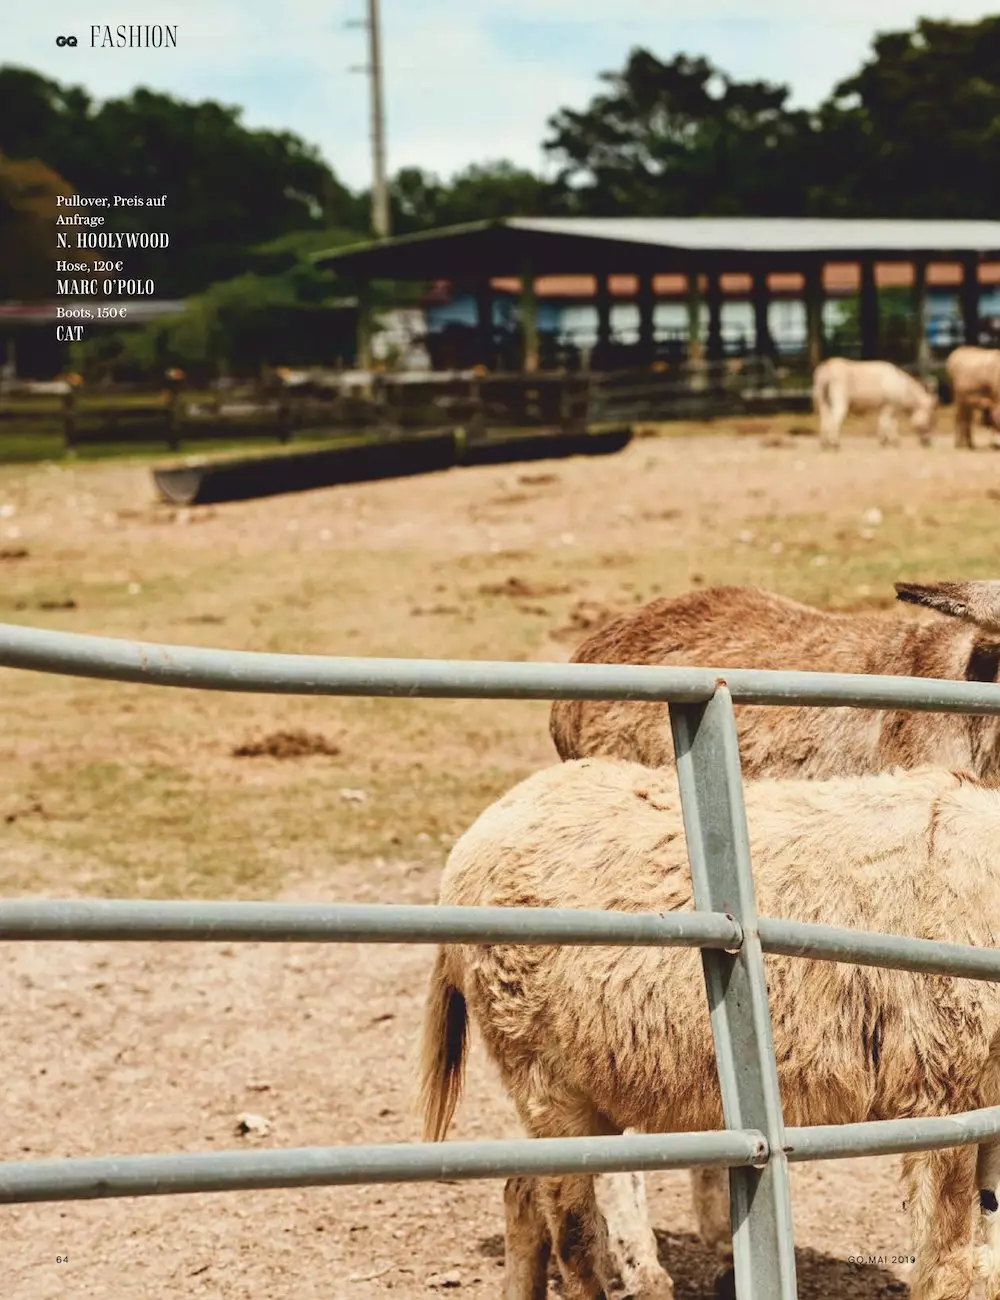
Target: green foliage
228, 188
681, 138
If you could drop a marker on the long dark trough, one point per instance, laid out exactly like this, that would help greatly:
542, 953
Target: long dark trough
264, 476
211, 483
545, 446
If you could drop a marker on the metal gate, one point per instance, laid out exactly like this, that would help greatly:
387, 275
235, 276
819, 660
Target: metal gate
755, 1145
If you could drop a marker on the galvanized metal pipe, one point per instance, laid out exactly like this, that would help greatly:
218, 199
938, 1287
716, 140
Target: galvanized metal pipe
145, 919
227, 1171
865, 948
229, 922
718, 843
112, 659
891, 1136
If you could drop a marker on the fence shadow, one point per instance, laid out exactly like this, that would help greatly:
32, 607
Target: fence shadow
820, 1277
693, 1269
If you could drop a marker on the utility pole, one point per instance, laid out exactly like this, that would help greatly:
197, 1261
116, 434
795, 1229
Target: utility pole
380, 192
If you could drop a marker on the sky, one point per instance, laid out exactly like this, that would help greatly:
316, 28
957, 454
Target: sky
465, 80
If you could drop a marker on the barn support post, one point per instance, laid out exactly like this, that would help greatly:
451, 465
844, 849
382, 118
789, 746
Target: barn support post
714, 316
603, 300
869, 310
484, 323
969, 297
695, 351
714, 350
921, 347
814, 313
529, 318
646, 300
364, 327
761, 297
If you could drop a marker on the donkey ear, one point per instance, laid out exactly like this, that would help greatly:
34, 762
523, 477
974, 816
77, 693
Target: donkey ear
946, 597
975, 602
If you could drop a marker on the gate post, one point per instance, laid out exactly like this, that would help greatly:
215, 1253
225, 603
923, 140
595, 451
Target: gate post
711, 789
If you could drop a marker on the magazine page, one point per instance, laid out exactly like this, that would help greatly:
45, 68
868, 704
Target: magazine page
499, 650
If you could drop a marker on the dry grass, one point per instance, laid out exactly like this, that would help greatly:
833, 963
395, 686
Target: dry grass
127, 790
137, 791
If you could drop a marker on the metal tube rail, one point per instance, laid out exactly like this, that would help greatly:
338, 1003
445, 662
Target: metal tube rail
169, 920
869, 948
889, 1137
89, 1178
113, 659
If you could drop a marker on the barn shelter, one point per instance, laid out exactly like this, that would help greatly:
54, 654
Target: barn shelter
698, 259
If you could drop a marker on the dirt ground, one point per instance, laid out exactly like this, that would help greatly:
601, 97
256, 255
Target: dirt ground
136, 792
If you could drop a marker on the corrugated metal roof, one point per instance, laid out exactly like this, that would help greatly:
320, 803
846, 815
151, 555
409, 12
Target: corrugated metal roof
775, 234
659, 245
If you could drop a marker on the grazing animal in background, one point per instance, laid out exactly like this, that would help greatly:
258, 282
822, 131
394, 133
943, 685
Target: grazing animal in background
746, 627
595, 1040
974, 375
842, 387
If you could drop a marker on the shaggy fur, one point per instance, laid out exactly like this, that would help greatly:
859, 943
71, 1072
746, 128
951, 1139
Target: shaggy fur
744, 627
974, 375
749, 628
842, 387
597, 1040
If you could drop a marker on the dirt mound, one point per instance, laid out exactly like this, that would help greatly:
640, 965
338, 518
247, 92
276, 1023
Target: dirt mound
519, 588
288, 744
585, 616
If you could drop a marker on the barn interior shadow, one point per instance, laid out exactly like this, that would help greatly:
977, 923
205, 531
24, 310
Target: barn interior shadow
820, 1277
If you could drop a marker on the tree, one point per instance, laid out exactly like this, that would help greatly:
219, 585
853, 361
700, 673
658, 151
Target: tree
28, 192
228, 187
916, 132
682, 138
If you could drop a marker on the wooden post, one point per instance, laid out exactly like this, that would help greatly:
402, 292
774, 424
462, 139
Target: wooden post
869, 311
763, 342
814, 313
529, 318
922, 351
603, 322
969, 296
484, 323
694, 316
647, 305
714, 295
364, 357
69, 417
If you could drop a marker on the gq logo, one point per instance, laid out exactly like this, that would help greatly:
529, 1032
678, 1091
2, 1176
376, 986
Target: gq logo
65, 40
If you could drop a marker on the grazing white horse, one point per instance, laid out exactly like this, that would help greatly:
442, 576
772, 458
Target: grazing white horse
842, 388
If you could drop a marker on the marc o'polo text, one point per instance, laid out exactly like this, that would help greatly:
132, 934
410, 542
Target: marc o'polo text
92, 288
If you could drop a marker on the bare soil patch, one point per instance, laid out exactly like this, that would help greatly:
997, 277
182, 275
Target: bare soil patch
130, 791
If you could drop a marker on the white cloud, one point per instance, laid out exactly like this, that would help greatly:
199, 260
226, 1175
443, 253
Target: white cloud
466, 80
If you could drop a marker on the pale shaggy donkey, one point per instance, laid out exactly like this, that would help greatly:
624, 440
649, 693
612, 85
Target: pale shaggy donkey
974, 375
842, 387
597, 1040
746, 627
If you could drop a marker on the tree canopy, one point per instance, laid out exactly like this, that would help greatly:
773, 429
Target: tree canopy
915, 132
